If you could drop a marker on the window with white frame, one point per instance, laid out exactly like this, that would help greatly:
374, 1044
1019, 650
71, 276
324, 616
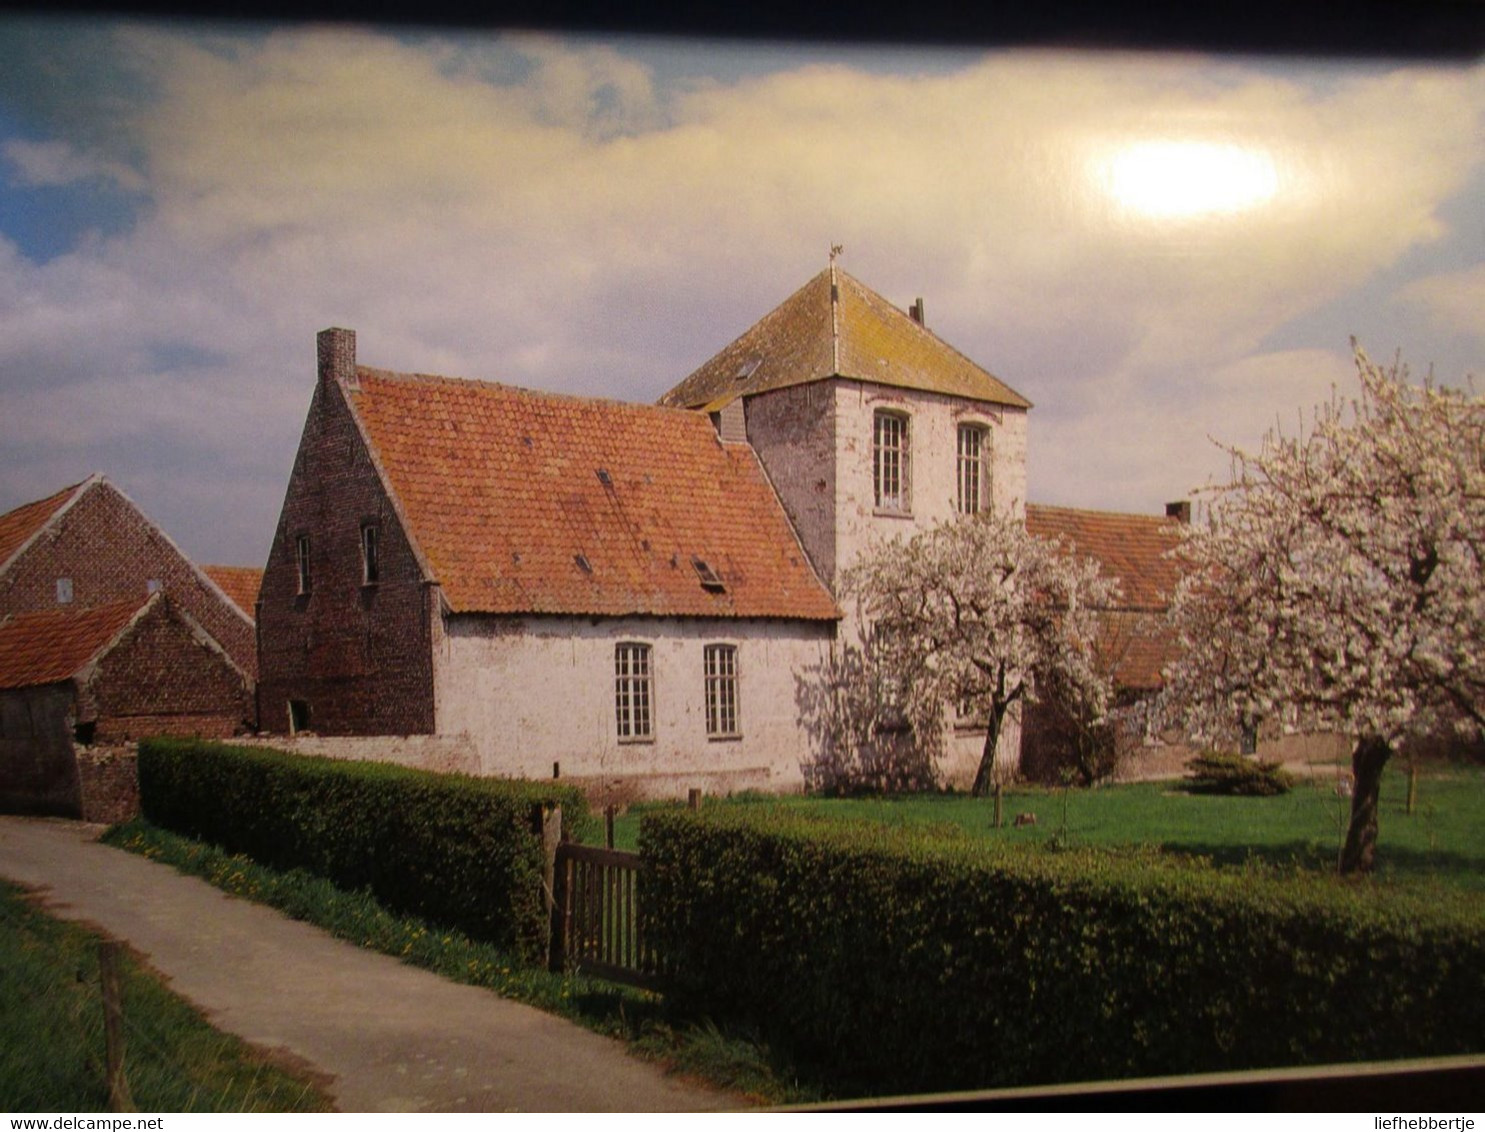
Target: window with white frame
301, 561
974, 462
890, 461
633, 691
371, 562
720, 662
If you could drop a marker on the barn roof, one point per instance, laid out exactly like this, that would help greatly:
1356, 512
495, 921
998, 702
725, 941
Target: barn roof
526, 502
55, 644
836, 326
240, 583
1135, 549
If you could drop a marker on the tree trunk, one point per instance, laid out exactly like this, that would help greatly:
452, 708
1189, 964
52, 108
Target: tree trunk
1367, 763
985, 775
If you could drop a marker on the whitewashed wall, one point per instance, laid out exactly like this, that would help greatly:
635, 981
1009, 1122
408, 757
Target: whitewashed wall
533, 691
933, 427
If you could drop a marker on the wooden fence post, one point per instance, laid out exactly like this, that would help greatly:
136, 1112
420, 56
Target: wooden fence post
119, 1099
997, 805
693, 798
609, 813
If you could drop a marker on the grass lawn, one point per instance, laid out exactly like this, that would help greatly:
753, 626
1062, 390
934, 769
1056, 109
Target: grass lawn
1444, 840
51, 1033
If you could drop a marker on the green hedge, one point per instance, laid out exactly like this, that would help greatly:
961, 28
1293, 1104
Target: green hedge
449, 848
888, 960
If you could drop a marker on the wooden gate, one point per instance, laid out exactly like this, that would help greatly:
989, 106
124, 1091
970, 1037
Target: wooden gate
596, 923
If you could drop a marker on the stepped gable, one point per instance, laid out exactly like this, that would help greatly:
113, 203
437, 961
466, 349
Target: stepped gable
844, 329
527, 502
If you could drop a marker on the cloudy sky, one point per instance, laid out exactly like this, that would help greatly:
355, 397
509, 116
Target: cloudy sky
1156, 250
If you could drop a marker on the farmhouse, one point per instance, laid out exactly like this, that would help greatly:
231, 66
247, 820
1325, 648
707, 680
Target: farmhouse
106, 674
624, 594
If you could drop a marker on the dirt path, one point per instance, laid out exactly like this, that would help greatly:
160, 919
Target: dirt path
390, 1037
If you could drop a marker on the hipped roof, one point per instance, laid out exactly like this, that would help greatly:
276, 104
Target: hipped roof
838, 328
526, 502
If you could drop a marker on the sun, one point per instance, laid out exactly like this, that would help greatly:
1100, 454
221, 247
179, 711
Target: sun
1176, 180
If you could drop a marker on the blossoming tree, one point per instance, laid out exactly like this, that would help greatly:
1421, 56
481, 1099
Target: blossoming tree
1339, 582
977, 613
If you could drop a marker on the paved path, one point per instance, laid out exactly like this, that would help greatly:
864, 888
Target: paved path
391, 1037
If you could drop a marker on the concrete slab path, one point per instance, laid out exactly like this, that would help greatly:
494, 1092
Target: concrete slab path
391, 1038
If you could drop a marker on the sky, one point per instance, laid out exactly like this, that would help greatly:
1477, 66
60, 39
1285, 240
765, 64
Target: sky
1162, 252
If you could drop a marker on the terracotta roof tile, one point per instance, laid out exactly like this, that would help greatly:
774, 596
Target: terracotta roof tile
1134, 549
525, 502
240, 583
797, 342
19, 525
51, 646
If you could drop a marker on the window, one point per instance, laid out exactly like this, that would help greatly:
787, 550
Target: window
298, 716
973, 463
720, 662
633, 691
889, 452
301, 559
371, 567
64, 591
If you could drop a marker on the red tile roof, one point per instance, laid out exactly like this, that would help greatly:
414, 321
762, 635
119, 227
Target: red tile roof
17, 526
48, 647
240, 583
1134, 549
861, 336
525, 502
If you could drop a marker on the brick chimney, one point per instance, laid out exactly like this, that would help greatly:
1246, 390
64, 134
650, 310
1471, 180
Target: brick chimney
1180, 510
337, 350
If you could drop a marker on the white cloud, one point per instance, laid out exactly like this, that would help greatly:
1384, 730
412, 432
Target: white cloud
558, 221
51, 164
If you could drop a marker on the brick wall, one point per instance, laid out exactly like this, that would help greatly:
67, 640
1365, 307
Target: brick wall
110, 782
111, 552
161, 678
793, 432
360, 656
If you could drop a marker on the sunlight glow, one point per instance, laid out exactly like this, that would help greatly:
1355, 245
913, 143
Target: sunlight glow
1173, 180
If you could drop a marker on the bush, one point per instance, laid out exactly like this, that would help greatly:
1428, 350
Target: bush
1216, 773
452, 849
892, 960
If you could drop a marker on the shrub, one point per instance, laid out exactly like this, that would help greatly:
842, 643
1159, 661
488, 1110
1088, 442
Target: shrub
893, 960
1217, 773
451, 849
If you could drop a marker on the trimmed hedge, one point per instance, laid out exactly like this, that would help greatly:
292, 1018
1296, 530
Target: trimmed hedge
451, 849
888, 960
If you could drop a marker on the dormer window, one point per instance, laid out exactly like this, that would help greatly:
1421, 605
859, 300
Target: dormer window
371, 563
301, 562
889, 462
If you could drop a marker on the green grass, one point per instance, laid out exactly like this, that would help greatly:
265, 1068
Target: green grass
51, 1040
1441, 842
634, 1016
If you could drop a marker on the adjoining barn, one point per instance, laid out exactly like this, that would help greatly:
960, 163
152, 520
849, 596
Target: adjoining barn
105, 675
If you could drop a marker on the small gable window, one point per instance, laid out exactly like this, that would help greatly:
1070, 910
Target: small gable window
974, 456
64, 591
889, 462
301, 561
371, 564
633, 692
720, 664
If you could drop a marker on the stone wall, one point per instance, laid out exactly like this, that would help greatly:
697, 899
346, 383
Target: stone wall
110, 782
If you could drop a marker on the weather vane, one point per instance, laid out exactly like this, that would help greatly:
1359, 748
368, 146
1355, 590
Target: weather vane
835, 250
